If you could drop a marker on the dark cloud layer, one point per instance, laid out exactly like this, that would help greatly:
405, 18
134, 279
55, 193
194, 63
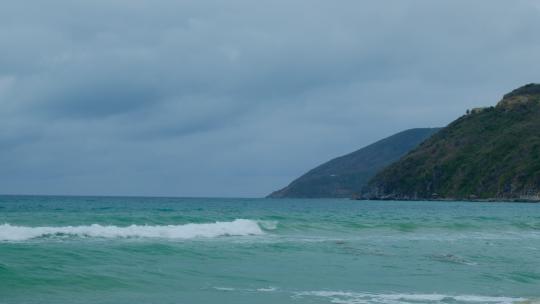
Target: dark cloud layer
236, 98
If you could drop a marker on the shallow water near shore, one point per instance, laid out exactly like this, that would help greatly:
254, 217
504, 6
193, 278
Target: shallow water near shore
180, 250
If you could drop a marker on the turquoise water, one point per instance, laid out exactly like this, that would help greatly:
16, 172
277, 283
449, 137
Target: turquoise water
170, 250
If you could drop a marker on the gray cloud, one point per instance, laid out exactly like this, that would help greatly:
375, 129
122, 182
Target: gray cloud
236, 98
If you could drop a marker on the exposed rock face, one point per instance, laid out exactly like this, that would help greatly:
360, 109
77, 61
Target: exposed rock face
346, 175
489, 154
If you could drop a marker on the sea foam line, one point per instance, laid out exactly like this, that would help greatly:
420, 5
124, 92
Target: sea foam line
341, 297
238, 227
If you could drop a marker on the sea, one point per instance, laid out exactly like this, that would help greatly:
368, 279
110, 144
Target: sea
60, 249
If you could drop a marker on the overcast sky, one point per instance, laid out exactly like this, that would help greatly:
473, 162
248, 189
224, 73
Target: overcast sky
237, 98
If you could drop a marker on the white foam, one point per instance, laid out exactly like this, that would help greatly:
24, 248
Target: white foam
341, 297
267, 289
238, 227
262, 289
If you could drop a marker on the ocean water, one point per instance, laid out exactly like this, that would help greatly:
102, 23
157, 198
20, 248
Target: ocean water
180, 250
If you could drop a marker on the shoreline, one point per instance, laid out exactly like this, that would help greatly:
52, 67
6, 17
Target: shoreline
475, 200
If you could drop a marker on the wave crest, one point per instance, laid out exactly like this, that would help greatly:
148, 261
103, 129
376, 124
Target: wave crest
238, 227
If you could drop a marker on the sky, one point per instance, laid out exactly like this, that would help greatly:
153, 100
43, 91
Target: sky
237, 98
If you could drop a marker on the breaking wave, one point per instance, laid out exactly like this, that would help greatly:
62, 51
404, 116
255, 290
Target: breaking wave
238, 227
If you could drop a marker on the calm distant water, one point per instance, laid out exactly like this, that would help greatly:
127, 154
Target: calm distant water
161, 250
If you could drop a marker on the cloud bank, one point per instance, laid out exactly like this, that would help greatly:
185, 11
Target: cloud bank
236, 98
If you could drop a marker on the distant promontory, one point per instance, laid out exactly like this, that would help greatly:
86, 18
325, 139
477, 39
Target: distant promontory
345, 176
490, 153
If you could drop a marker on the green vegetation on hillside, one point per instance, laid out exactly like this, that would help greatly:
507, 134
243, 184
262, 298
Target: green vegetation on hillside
493, 153
348, 174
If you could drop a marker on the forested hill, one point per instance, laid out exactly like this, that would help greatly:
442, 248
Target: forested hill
490, 153
347, 175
